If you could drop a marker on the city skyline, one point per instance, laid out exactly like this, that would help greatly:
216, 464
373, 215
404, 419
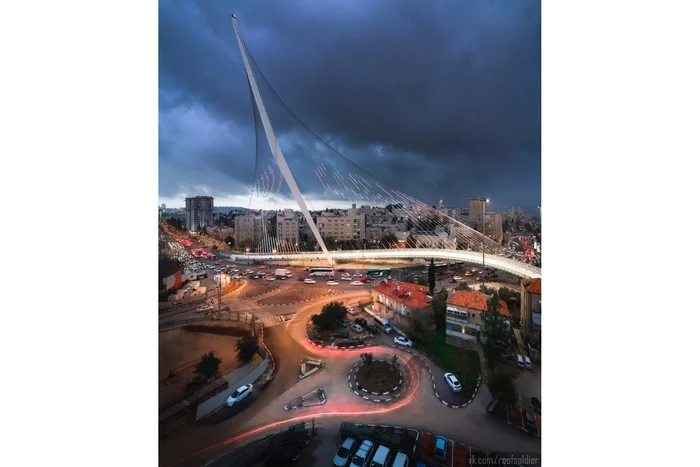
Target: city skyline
489, 134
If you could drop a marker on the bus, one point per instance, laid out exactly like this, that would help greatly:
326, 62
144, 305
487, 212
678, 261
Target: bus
320, 272
379, 272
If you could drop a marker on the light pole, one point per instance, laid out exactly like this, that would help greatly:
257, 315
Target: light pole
483, 245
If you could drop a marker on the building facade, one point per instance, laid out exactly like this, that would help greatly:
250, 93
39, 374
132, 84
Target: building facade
247, 231
477, 208
402, 304
494, 226
463, 317
199, 212
350, 226
531, 314
287, 227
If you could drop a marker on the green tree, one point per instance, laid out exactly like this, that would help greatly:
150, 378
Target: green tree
247, 348
440, 308
431, 276
208, 366
502, 387
331, 314
496, 329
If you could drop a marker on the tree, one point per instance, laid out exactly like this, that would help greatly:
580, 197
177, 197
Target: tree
440, 308
502, 387
331, 314
208, 366
367, 359
496, 329
247, 348
431, 276
230, 241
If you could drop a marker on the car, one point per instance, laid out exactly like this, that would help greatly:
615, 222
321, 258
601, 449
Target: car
536, 405
363, 454
331, 283
357, 274
401, 460
357, 283
381, 457
528, 363
240, 394
357, 328
453, 382
401, 340
271, 278
309, 281
342, 457
345, 278
205, 308
353, 311
440, 447
361, 321
457, 278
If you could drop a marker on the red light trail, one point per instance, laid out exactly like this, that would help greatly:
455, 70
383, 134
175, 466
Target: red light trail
300, 418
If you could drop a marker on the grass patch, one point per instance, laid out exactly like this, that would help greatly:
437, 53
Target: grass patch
464, 363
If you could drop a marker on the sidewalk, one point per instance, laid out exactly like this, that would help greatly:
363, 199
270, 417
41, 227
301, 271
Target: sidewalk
247, 374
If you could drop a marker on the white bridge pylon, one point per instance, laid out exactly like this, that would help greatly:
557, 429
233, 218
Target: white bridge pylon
274, 146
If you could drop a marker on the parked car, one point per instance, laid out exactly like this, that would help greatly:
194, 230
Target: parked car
457, 278
342, 457
401, 340
453, 382
240, 394
381, 457
353, 311
528, 363
356, 283
440, 447
401, 460
363, 454
331, 282
361, 321
357, 328
345, 278
536, 405
205, 308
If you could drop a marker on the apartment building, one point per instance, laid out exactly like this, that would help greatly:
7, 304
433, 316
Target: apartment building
199, 212
402, 303
463, 317
349, 226
247, 230
531, 313
288, 227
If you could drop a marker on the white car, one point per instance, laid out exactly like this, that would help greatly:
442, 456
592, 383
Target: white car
457, 278
346, 278
309, 281
357, 274
271, 278
400, 340
356, 283
453, 382
332, 283
353, 311
240, 394
357, 328
343, 455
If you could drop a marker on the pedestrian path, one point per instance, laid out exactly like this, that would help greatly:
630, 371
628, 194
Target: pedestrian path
268, 319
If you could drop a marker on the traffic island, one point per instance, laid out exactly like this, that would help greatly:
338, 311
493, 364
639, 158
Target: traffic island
310, 366
310, 399
377, 380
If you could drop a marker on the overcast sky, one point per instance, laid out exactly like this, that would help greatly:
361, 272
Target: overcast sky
439, 99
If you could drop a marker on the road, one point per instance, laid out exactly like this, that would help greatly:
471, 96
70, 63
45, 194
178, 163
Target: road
204, 441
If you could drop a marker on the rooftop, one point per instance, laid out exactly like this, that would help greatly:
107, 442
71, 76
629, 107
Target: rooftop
475, 301
411, 295
533, 285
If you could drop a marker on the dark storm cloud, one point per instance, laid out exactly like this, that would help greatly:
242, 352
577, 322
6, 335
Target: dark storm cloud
450, 91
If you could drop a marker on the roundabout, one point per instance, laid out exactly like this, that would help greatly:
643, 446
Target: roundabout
381, 381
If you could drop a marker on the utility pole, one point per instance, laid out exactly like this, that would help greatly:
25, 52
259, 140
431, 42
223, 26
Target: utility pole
483, 244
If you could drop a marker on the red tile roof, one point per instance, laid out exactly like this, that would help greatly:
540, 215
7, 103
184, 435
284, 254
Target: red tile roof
475, 301
411, 295
533, 285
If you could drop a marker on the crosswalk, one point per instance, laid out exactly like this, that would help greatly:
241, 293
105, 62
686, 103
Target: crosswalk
268, 319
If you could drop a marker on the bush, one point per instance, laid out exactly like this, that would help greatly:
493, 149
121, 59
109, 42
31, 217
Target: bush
332, 314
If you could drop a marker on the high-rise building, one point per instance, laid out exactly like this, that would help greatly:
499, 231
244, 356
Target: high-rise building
494, 226
248, 230
199, 212
287, 227
350, 226
477, 208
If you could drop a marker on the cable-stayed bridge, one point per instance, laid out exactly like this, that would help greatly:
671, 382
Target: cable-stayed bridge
292, 162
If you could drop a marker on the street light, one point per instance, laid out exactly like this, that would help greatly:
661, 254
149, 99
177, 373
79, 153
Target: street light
483, 246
